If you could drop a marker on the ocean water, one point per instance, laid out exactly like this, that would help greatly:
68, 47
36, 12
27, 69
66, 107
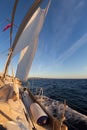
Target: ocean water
73, 90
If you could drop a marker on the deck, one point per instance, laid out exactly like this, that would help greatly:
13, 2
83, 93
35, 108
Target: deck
13, 114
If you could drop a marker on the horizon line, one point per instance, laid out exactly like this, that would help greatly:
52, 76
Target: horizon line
53, 78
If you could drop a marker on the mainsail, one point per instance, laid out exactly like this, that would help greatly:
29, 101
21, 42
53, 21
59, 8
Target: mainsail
27, 43
27, 37
31, 30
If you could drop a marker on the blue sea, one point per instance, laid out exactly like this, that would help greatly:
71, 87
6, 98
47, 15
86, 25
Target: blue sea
73, 90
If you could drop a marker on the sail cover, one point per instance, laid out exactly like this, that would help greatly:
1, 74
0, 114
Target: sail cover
27, 43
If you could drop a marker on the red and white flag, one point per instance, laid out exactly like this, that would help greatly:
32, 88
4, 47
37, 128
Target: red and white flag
6, 27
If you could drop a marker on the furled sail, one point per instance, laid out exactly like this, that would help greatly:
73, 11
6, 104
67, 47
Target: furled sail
27, 43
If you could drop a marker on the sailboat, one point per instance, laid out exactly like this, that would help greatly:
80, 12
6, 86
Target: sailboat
19, 109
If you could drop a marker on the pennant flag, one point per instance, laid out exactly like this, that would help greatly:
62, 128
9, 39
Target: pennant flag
6, 27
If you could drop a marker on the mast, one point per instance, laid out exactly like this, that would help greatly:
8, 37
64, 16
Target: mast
12, 20
20, 30
10, 51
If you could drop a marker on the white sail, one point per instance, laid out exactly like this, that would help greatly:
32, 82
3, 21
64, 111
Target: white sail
25, 61
27, 43
31, 30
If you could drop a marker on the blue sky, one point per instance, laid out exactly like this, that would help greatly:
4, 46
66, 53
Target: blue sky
62, 47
